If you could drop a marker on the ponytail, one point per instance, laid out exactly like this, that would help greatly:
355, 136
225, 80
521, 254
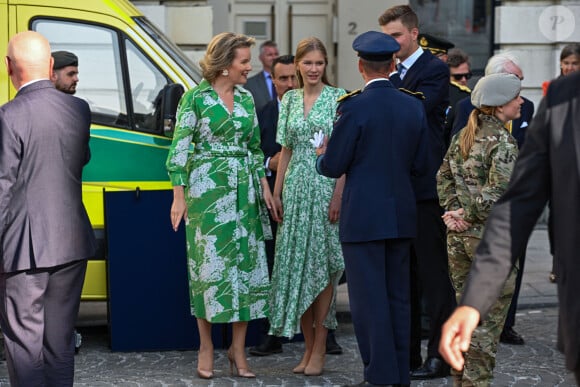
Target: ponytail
467, 135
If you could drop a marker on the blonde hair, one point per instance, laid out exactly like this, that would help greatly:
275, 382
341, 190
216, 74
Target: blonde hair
304, 47
221, 52
467, 134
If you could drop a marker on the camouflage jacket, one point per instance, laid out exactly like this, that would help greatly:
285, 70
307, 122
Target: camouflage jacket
477, 182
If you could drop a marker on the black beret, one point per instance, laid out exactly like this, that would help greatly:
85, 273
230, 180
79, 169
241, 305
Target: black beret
63, 59
375, 46
434, 44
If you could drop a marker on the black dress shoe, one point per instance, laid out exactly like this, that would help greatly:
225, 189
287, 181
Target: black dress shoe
509, 336
415, 363
332, 347
269, 346
432, 368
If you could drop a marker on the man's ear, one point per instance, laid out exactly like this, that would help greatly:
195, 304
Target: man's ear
414, 33
8, 63
360, 66
393, 65
51, 66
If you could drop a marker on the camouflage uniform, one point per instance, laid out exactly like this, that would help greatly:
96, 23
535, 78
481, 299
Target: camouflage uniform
475, 184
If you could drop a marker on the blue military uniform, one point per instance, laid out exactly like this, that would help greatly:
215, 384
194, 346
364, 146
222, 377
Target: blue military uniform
378, 214
429, 268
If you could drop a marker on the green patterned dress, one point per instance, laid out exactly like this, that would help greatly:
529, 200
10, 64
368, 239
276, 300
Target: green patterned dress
308, 253
226, 222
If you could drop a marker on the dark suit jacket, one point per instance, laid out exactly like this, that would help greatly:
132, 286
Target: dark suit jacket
519, 126
268, 121
258, 86
456, 94
548, 168
378, 201
430, 76
44, 138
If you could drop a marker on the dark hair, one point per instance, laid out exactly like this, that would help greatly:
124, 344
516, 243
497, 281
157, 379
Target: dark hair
456, 57
404, 13
304, 47
282, 59
570, 49
381, 67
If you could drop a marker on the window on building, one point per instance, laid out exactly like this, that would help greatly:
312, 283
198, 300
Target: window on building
466, 23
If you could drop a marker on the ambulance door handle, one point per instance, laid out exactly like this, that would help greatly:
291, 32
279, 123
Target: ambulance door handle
290, 17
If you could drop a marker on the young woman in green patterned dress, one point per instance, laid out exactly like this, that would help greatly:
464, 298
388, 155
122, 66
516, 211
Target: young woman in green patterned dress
217, 190
308, 259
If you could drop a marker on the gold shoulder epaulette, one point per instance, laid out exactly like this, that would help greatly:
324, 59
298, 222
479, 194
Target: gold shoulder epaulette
461, 87
416, 94
348, 95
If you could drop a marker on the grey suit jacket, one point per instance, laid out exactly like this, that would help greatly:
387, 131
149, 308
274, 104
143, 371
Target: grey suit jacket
259, 88
44, 144
548, 168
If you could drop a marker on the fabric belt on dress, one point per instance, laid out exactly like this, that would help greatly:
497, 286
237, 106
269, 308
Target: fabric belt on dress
211, 151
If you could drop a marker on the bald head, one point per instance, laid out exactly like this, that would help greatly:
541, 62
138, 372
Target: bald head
28, 58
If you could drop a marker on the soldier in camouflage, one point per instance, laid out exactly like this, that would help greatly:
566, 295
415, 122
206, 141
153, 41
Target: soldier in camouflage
474, 174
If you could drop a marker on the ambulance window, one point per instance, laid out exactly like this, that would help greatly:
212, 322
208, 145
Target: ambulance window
100, 66
146, 84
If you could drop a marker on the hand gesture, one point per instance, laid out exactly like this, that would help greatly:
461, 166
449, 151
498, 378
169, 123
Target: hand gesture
454, 220
317, 140
456, 335
322, 148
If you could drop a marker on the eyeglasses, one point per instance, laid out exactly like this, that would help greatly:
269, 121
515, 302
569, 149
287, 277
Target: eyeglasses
458, 77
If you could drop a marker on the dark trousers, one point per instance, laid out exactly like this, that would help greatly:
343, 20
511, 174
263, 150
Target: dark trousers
378, 290
38, 311
430, 278
510, 320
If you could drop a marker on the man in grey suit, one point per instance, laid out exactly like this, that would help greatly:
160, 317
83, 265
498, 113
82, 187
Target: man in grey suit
45, 232
548, 168
261, 85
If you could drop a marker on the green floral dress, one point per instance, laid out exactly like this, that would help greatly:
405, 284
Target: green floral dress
308, 253
226, 222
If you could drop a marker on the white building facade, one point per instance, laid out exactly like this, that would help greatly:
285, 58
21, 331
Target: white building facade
535, 31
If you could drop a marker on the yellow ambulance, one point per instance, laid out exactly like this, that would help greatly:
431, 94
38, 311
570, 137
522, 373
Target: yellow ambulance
131, 76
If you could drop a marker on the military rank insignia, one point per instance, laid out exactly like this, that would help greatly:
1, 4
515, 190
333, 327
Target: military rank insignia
416, 94
348, 95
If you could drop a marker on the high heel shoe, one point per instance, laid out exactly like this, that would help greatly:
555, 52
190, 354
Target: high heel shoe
315, 365
299, 369
241, 372
203, 374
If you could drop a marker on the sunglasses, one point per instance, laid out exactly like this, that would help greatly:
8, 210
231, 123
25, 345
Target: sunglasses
458, 77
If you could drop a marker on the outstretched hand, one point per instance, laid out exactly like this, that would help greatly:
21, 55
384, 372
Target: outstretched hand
456, 335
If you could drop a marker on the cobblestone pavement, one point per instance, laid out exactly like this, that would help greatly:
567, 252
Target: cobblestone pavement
537, 363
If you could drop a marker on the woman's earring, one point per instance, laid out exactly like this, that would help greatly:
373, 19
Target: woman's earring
225, 72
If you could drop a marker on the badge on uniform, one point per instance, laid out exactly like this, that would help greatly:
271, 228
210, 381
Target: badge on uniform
337, 116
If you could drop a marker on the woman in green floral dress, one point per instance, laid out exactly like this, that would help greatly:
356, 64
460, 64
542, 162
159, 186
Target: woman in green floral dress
217, 191
308, 259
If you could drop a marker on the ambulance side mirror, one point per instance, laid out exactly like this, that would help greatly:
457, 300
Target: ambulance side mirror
170, 96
